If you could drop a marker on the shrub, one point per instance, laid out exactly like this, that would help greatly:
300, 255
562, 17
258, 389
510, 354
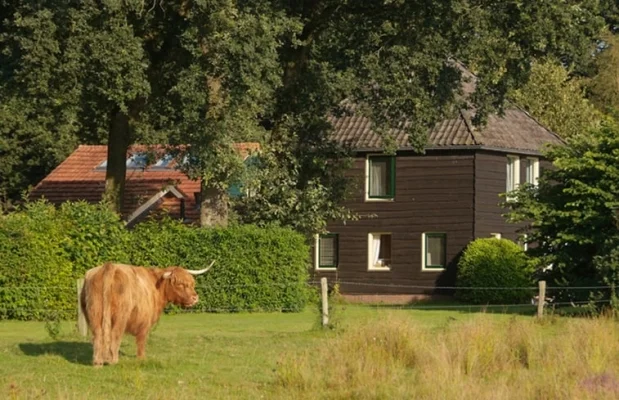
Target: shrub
493, 262
93, 234
255, 269
44, 249
35, 274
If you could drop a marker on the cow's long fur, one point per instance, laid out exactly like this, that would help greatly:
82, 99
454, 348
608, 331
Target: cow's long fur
118, 299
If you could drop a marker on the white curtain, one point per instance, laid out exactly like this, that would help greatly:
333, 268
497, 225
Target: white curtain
510, 175
378, 178
428, 251
375, 249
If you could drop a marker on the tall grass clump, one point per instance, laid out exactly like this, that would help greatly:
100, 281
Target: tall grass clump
478, 359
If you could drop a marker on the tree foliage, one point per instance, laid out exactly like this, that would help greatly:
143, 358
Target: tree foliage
557, 100
206, 73
572, 215
603, 86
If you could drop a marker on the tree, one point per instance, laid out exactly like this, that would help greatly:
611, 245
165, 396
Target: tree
603, 86
205, 73
557, 100
191, 73
572, 215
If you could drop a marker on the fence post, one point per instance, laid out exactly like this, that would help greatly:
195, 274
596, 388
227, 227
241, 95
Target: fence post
325, 302
541, 299
81, 319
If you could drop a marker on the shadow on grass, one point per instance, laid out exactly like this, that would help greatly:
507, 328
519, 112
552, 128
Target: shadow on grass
74, 352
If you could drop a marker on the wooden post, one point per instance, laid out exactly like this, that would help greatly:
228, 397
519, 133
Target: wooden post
81, 319
325, 302
541, 299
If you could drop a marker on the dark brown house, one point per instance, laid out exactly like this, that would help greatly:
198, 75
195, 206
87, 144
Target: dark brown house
418, 212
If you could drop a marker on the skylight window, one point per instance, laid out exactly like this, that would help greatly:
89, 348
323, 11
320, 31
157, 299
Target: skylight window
164, 161
137, 161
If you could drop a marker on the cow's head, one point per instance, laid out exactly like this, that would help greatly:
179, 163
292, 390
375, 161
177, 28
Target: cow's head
179, 285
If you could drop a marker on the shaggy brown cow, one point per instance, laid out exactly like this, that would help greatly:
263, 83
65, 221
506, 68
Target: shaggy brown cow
119, 298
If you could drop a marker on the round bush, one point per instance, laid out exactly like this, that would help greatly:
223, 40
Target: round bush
491, 262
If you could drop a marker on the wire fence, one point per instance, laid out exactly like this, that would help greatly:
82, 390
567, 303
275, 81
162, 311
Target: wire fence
362, 288
313, 283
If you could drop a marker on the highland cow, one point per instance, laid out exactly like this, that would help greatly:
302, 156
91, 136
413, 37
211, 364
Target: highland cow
118, 299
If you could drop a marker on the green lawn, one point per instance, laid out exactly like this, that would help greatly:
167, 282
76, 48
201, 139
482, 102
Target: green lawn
189, 355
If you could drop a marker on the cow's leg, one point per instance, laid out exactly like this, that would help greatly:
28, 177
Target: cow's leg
118, 329
98, 350
140, 341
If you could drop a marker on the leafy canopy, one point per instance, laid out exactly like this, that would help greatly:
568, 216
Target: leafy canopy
572, 215
207, 73
557, 100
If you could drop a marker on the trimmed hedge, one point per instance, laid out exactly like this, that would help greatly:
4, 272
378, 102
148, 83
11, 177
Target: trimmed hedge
490, 262
44, 249
255, 268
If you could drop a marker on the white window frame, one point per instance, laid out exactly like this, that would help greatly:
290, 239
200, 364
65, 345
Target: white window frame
423, 251
514, 161
532, 162
367, 179
371, 266
525, 245
317, 266
495, 235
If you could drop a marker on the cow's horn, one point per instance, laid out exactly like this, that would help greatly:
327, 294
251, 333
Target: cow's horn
200, 272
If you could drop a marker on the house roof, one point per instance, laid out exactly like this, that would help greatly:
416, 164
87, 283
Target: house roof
81, 177
515, 131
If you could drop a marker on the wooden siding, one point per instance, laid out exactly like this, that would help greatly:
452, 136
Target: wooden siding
434, 193
490, 181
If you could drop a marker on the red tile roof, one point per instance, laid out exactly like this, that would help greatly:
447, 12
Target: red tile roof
79, 178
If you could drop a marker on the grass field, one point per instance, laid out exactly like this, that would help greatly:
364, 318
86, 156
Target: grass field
375, 353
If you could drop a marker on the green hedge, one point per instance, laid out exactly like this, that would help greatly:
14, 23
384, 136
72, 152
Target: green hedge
493, 263
255, 268
44, 249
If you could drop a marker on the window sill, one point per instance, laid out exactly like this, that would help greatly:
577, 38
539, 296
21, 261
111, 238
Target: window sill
379, 269
379, 200
432, 269
326, 269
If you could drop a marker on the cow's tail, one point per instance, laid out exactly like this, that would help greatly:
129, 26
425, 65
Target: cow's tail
106, 312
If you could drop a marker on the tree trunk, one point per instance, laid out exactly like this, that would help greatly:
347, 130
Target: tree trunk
213, 206
119, 140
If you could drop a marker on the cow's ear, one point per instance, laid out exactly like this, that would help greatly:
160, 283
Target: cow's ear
167, 275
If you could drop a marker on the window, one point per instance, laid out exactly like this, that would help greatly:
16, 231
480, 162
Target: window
513, 173
379, 251
434, 251
532, 169
495, 235
163, 162
137, 161
380, 177
524, 241
327, 251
